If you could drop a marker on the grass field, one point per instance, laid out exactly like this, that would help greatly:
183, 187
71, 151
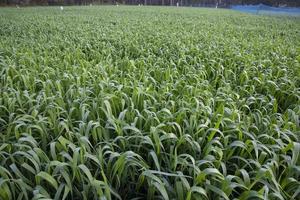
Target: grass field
148, 103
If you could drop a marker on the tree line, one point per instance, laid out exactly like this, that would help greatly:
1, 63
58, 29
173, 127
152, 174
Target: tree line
206, 3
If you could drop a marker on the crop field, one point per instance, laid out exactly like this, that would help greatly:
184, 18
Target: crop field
107, 102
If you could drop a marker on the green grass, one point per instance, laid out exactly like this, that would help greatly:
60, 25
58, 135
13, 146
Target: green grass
148, 103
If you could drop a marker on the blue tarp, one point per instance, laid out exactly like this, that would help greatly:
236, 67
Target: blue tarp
264, 9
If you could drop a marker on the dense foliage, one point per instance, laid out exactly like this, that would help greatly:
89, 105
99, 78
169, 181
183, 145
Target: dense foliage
148, 103
221, 3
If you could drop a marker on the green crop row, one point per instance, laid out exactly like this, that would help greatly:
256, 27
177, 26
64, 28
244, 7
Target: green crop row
148, 103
